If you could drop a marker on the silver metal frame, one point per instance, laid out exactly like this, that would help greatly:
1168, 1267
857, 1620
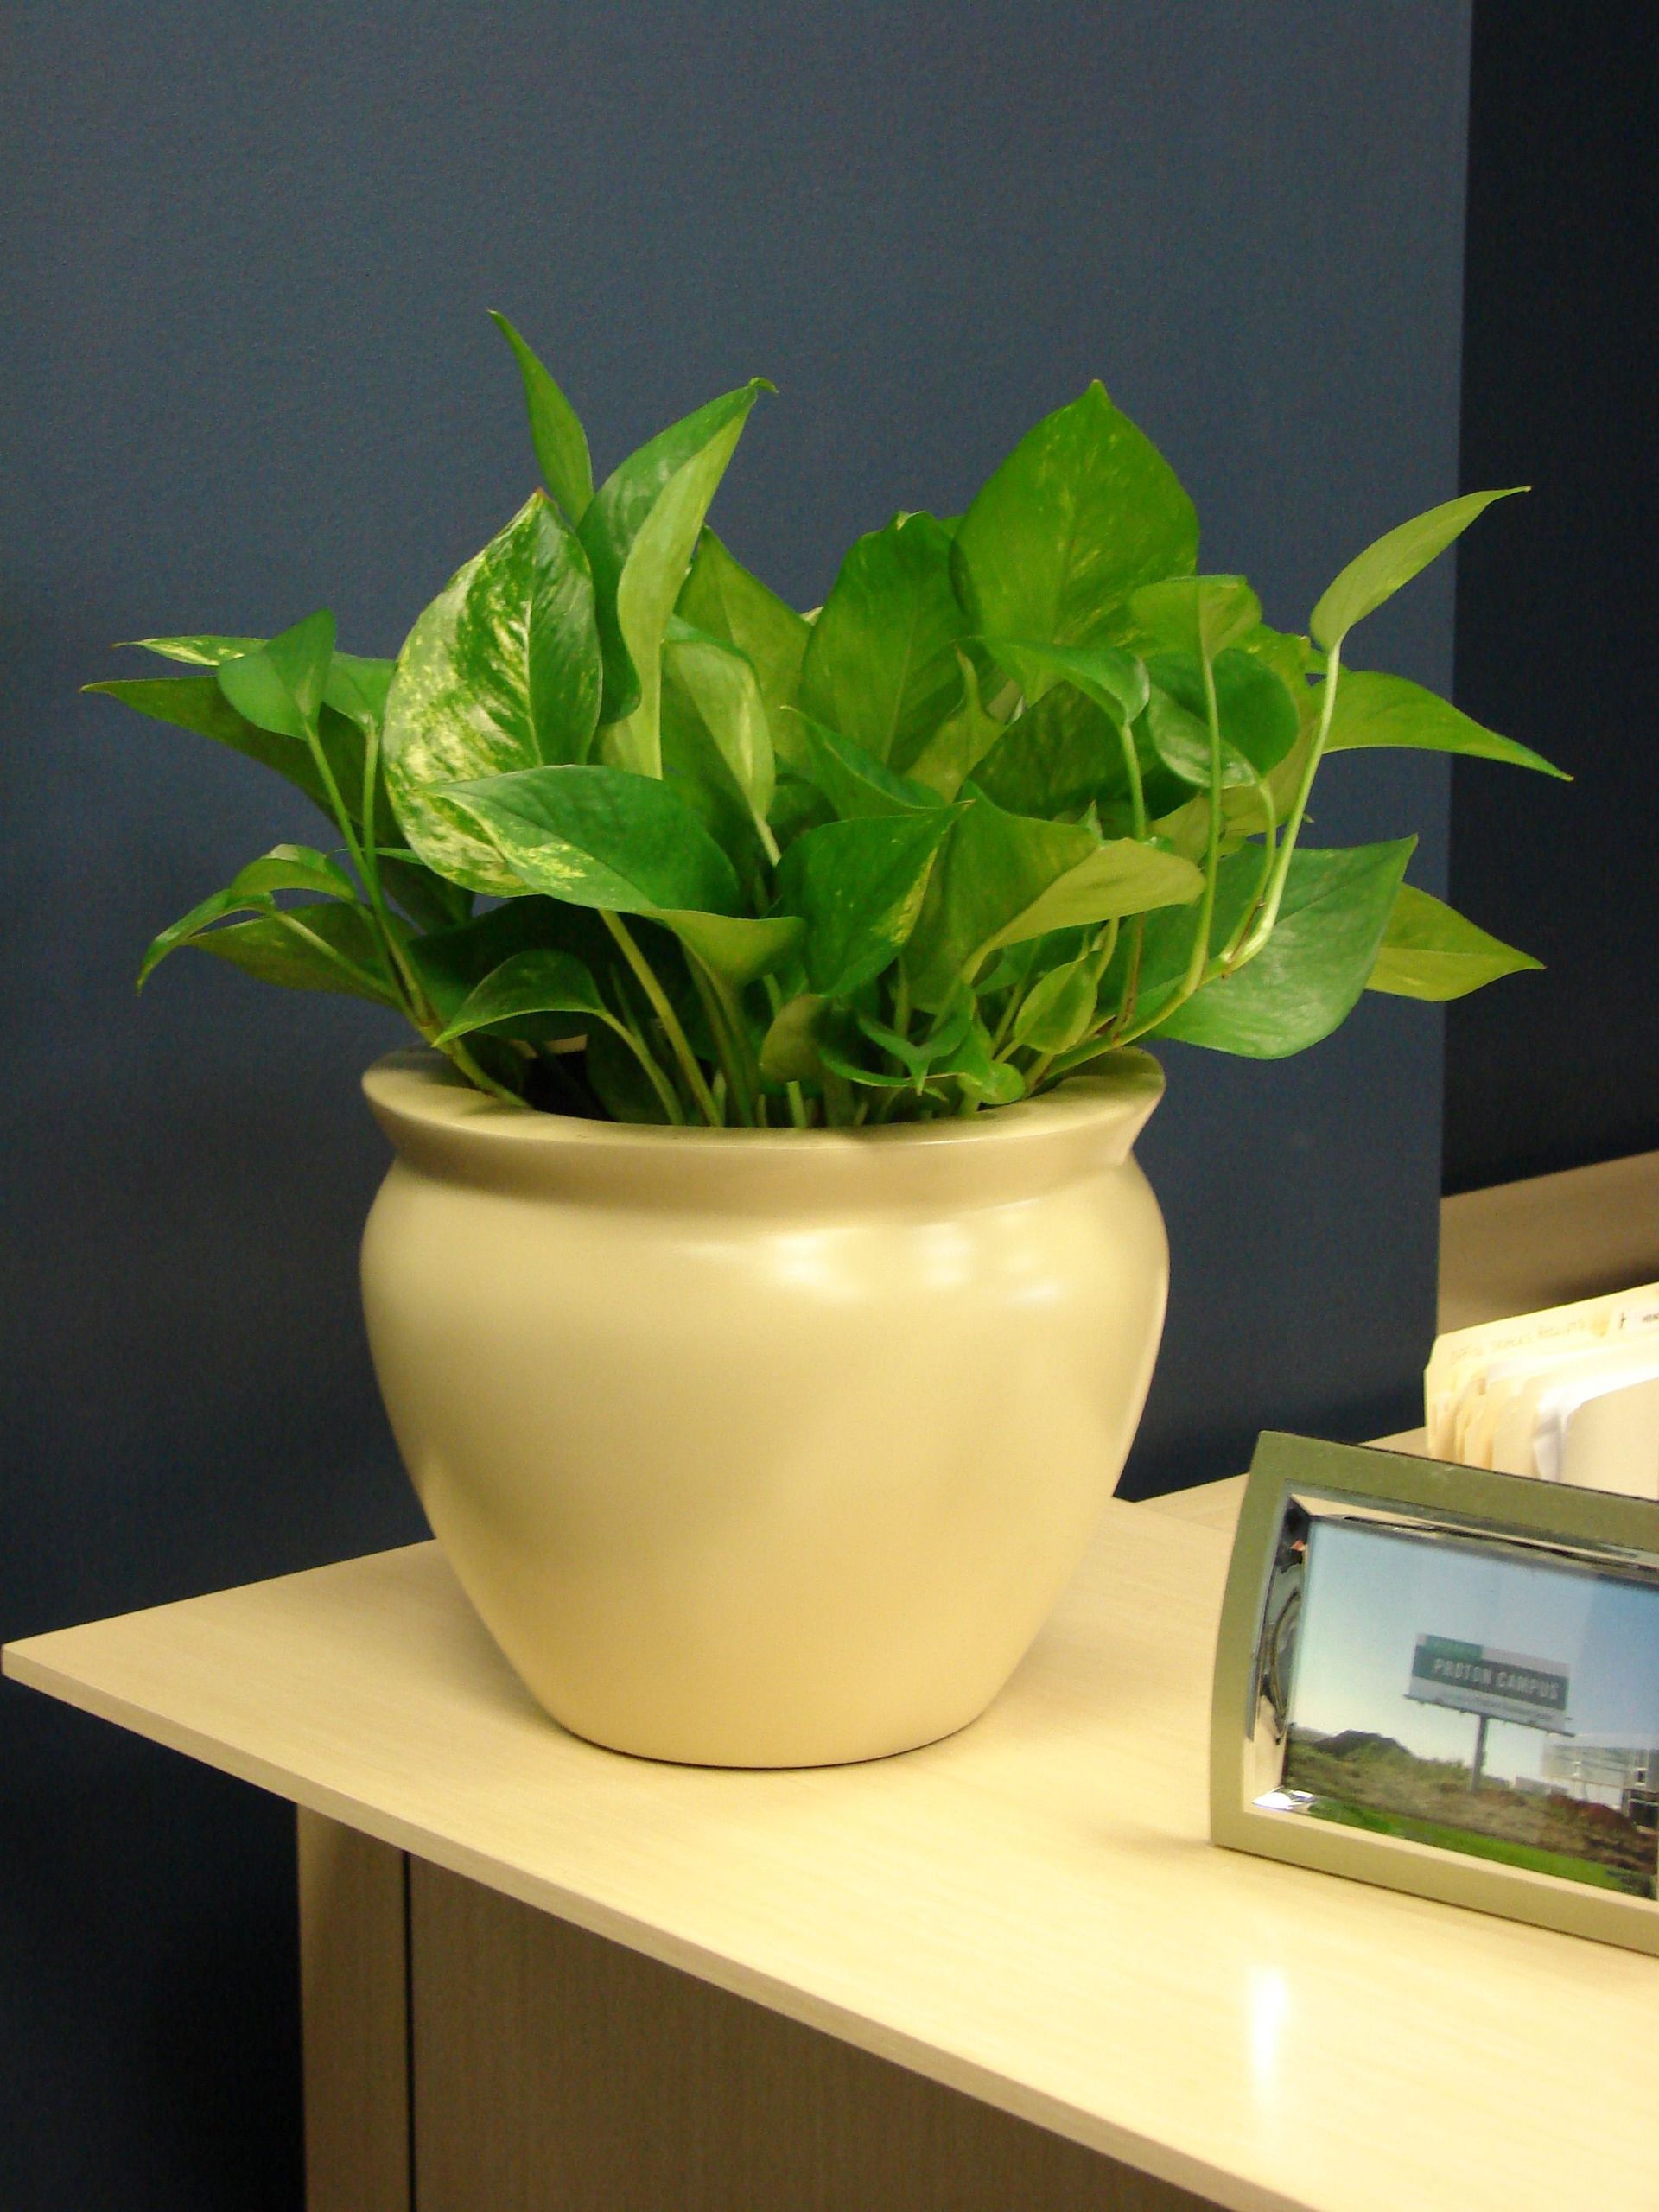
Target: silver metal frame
1294, 1481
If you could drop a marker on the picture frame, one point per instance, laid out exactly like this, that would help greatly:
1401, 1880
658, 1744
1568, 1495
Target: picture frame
1444, 1681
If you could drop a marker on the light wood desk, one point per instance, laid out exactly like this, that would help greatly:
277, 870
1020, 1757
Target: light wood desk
1007, 1974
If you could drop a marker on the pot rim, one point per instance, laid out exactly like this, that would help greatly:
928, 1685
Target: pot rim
442, 1125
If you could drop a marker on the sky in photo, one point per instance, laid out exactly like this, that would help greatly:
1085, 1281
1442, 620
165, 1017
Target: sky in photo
1371, 1595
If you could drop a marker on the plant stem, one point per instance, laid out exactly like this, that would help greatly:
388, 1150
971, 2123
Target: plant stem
1229, 958
1199, 967
1263, 926
291, 922
838, 1099
1132, 769
676, 1035
726, 1024
666, 1096
1105, 945
792, 1092
1197, 963
474, 1074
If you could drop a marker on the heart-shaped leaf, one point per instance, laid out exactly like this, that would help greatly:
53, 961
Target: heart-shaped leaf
1116, 681
981, 1074
1256, 715
500, 674
1308, 976
961, 742
721, 598
719, 682
1054, 759
737, 948
1430, 952
880, 664
854, 781
1393, 560
789, 1051
1083, 513
1059, 1010
452, 962
599, 837
561, 442
639, 533
280, 686
1196, 615
858, 885
530, 983
1005, 877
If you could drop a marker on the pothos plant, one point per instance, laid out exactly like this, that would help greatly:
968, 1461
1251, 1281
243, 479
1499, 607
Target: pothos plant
625, 835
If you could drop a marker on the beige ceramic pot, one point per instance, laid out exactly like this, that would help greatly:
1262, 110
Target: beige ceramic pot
763, 1448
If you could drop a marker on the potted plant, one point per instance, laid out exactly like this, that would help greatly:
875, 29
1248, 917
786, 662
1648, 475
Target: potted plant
764, 1293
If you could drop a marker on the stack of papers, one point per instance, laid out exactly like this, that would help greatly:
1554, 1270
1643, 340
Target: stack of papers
1570, 1395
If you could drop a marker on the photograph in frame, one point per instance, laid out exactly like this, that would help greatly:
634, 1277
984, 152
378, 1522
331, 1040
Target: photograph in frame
1444, 1679
1478, 1702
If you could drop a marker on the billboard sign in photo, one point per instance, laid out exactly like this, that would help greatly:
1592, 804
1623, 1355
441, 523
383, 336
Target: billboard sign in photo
1504, 1685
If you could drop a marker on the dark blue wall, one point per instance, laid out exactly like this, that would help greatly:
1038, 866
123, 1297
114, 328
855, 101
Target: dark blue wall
1556, 610
246, 370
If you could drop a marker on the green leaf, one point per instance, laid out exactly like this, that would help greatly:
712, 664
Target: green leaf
881, 663
1115, 682
854, 781
198, 651
356, 684
1198, 614
981, 1074
639, 533
1373, 709
919, 1055
960, 743
1308, 976
1257, 716
858, 885
738, 949
280, 685
322, 948
838, 1058
357, 688
294, 867
1120, 876
1430, 952
530, 983
721, 598
600, 837
561, 442
1005, 877
789, 1051
1053, 759
499, 674
1393, 560
1083, 513
195, 703
721, 684
451, 962
1059, 1010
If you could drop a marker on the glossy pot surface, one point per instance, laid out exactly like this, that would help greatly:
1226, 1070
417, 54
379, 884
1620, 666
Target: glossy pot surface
763, 1448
